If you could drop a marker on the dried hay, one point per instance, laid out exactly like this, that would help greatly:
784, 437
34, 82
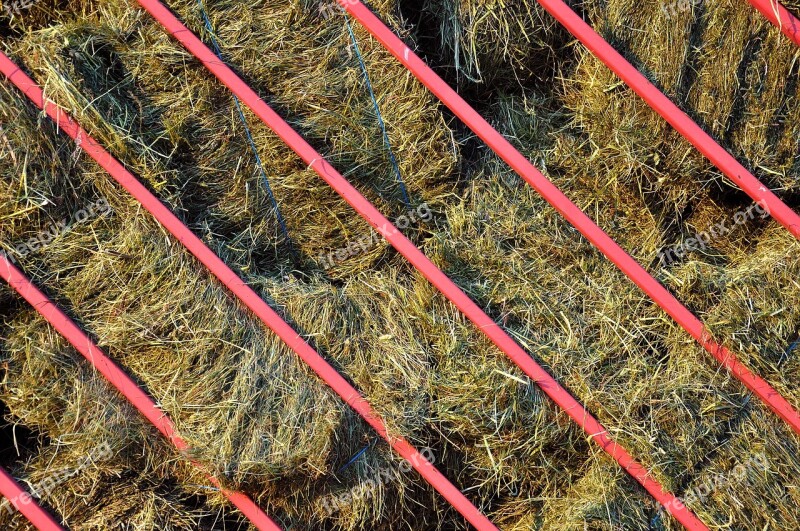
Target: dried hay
256, 416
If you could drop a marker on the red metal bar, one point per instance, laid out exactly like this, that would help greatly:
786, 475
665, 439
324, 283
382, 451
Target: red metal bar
25, 503
779, 16
662, 296
421, 262
245, 294
120, 380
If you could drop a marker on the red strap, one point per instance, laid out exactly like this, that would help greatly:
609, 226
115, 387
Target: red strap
781, 17
403, 245
26, 504
246, 295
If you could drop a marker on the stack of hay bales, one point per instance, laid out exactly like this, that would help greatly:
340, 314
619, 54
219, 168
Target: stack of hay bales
177, 130
256, 416
304, 64
725, 65
233, 391
737, 76
658, 392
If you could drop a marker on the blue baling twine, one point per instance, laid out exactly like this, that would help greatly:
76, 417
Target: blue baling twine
793, 346
790, 350
249, 136
392, 158
355, 457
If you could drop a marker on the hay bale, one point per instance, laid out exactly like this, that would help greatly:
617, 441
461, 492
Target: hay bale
594, 329
753, 301
98, 462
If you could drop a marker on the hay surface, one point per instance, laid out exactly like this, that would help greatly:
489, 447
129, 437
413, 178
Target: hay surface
256, 416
